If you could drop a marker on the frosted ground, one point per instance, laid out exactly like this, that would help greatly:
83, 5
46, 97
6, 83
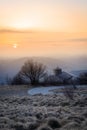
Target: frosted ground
42, 112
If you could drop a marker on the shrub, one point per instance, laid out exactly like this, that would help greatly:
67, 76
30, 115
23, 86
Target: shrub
17, 80
83, 78
19, 126
53, 123
68, 91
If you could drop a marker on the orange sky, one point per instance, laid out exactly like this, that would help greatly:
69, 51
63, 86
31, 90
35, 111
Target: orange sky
47, 44
58, 15
54, 28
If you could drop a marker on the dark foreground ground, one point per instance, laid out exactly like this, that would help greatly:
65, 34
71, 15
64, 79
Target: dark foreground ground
41, 112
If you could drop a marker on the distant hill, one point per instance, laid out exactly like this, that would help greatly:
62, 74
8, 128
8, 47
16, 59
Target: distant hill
78, 72
9, 67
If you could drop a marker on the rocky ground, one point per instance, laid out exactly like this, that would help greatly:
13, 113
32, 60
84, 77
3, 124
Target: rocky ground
42, 112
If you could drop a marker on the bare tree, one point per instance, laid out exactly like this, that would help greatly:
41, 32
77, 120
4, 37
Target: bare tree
33, 71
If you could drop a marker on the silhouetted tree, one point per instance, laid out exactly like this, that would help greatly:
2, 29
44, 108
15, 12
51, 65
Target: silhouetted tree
83, 78
17, 80
33, 71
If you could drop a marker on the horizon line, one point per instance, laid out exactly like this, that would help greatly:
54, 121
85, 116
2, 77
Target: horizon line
21, 30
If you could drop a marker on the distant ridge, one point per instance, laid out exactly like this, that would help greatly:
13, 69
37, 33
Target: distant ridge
15, 31
78, 72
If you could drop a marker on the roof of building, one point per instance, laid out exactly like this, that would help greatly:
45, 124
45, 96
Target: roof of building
65, 75
61, 76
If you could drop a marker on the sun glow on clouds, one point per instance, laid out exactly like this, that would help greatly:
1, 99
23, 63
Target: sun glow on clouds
22, 24
33, 21
13, 44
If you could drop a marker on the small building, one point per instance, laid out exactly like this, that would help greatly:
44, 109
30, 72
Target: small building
61, 77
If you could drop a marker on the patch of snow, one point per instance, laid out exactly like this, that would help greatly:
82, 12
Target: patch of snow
43, 90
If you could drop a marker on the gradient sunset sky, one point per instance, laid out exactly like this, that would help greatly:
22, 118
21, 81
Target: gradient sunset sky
51, 28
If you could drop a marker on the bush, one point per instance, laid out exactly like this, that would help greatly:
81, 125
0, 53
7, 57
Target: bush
83, 78
68, 91
19, 126
53, 123
17, 80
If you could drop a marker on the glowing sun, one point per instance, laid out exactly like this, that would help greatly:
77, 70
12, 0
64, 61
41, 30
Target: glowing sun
15, 46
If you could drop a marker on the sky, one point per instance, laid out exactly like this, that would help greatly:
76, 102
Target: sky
51, 28
58, 15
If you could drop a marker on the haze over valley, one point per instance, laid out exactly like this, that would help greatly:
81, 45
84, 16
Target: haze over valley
10, 67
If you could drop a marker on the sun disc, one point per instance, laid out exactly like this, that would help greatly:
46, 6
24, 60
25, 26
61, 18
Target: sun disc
15, 46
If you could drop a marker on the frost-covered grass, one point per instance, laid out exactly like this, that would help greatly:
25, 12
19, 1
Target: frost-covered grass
43, 112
